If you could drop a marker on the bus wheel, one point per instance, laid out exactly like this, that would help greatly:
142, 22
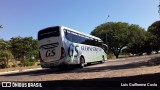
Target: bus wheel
103, 59
82, 62
42, 66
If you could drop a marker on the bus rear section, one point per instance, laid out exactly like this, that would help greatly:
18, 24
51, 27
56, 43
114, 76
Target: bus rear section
50, 45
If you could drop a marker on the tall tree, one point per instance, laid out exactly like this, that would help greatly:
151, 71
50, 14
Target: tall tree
24, 48
154, 29
120, 35
137, 36
34, 50
5, 54
114, 34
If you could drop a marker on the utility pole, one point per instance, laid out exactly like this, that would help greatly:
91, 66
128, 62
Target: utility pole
106, 33
107, 18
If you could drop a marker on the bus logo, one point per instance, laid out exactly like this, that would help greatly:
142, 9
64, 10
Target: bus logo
50, 48
50, 53
73, 50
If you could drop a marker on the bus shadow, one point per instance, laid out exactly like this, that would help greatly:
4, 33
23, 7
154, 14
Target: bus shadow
38, 72
79, 70
104, 82
117, 67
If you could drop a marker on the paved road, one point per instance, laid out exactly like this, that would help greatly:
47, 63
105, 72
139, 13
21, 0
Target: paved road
109, 69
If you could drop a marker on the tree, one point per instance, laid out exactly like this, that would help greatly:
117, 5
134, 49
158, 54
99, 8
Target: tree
154, 29
24, 48
138, 39
114, 34
147, 47
5, 54
34, 50
123, 36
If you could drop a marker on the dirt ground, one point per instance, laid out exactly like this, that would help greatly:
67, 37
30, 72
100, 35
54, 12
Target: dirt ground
110, 69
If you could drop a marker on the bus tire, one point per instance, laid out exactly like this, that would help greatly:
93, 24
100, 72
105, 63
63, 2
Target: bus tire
103, 59
82, 62
42, 66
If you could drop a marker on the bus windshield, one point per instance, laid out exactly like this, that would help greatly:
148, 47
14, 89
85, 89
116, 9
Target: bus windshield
48, 32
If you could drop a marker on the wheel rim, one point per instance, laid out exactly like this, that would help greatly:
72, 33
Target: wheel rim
103, 60
82, 62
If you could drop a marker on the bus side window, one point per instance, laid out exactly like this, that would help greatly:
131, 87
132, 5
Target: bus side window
80, 39
95, 42
74, 38
68, 35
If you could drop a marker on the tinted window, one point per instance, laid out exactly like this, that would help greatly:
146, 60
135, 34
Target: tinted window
48, 32
77, 38
68, 35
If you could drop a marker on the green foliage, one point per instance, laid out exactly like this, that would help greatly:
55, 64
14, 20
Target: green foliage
18, 48
29, 62
137, 39
114, 34
23, 48
5, 54
110, 56
147, 47
120, 35
154, 29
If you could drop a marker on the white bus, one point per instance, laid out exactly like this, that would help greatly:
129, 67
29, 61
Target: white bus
59, 45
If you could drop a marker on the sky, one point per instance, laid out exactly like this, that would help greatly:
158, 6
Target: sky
26, 17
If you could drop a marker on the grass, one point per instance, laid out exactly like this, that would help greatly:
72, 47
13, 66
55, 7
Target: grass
36, 65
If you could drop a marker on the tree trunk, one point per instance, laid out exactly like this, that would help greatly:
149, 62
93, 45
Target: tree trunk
117, 55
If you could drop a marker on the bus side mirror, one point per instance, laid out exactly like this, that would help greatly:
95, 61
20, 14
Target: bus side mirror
105, 47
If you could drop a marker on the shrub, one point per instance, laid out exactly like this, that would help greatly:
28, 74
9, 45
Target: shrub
29, 62
2, 65
110, 56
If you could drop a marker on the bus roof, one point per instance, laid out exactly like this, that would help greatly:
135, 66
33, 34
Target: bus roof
91, 36
72, 30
